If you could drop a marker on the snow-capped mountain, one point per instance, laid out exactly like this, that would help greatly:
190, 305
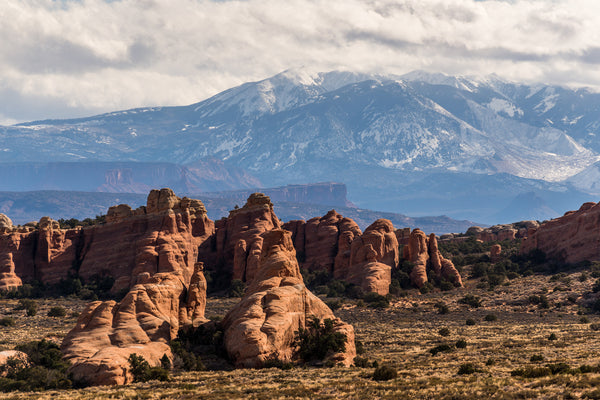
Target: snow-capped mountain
371, 132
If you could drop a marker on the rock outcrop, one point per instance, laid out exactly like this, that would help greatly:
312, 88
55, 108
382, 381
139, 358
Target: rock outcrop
495, 253
237, 243
572, 238
423, 253
163, 236
372, 257
107, 333
262, 325
324, 242
502, 232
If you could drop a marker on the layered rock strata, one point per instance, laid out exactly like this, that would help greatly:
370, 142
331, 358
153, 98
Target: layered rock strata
262, 325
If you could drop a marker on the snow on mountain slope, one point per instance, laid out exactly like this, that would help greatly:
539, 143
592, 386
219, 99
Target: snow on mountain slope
301, 125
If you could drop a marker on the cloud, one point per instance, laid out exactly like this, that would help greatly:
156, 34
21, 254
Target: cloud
68, 58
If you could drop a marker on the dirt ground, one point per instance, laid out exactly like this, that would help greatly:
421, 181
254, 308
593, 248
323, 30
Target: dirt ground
507, 333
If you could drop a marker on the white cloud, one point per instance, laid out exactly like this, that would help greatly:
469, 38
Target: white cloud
67, 58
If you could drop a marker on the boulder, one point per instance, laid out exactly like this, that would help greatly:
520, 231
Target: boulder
276, 304
148, 317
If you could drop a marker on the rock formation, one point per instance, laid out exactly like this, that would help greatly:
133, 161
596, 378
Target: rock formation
161, 237
423, 253
502, 232
238, 242
324, 242
262, 325
572, 238
495, 252
107, 333
372, 257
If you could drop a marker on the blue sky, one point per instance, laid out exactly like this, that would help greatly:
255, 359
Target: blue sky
68, 58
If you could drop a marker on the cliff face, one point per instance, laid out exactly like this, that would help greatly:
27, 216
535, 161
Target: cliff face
572, 238
164, 236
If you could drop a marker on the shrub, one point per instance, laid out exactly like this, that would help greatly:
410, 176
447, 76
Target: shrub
490, 317
143, 372
362, 362
30, 306
552, 336
237, 288
46, 371
7, 321
440, 348
584, 320
376, 300
470, 321
461, 344
471, 300
466, 369
444, 332
319, 340
536, 358
595, 327
277, 363
384, 373
531, 372
57, 311
426, 288
442, 308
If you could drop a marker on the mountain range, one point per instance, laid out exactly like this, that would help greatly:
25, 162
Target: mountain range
419, 144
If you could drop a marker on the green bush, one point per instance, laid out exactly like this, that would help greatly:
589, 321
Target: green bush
536, 358
47, 369
7, 321
237, 288
362, 362
490, 317
461, 344
444, 332
552, 336
375, 300
318, 340
384, 373
471, 300
466, 369
143, 372
57, 311
470, 321
442, 308
29, 305
441, 348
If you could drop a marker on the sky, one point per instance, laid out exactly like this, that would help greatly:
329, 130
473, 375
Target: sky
73, 58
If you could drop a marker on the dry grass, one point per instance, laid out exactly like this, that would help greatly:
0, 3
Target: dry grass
401, 336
